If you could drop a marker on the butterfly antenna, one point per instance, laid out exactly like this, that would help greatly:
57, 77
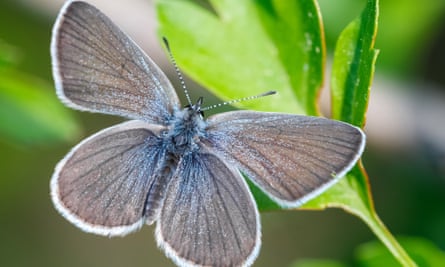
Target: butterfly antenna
178, 72
239, 100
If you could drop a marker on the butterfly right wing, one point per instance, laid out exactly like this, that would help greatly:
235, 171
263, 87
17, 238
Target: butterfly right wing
292, 158
98, 68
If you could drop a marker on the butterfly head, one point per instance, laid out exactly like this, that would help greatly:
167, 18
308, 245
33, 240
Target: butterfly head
195, 110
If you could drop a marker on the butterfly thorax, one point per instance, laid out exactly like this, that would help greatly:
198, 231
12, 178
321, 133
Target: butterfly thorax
185, 129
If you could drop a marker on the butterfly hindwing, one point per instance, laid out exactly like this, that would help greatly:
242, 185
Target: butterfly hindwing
209, 217
102, 184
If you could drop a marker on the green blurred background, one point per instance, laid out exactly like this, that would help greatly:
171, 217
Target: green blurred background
405, 156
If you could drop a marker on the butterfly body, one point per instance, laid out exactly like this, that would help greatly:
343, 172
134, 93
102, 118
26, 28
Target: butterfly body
181, 137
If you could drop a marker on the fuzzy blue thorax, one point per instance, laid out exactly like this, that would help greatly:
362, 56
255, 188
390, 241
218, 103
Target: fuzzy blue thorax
184, 130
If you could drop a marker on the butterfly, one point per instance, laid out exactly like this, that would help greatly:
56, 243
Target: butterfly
170, 165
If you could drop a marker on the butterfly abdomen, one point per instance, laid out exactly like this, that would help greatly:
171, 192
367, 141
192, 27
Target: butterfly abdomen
158, 186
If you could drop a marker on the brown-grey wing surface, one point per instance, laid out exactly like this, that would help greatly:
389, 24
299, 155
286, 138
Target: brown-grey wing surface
98, 68
102, 184
292, 158
209, 217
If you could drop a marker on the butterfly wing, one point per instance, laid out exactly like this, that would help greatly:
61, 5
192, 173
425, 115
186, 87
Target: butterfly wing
102, 185
98, 68
292, 158
209, 217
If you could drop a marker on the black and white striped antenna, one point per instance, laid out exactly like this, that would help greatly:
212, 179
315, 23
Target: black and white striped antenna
184, 87
238, 100
178, 72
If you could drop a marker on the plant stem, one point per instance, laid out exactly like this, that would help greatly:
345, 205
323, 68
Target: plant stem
380, 230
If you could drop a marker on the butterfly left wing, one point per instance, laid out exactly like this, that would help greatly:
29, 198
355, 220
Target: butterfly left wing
110, 183
209, 217
292, 158
98, 68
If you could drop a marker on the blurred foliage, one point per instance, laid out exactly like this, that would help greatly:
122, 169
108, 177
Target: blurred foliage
374, 254
8, 54
408, 28
317, 263
29, 112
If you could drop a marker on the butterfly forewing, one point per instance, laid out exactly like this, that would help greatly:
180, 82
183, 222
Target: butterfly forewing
292, 158
98, 68
102, 184
209, 217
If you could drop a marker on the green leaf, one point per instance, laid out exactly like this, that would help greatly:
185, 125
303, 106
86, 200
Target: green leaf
352, 73
30, 113
353, 67
244, 48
